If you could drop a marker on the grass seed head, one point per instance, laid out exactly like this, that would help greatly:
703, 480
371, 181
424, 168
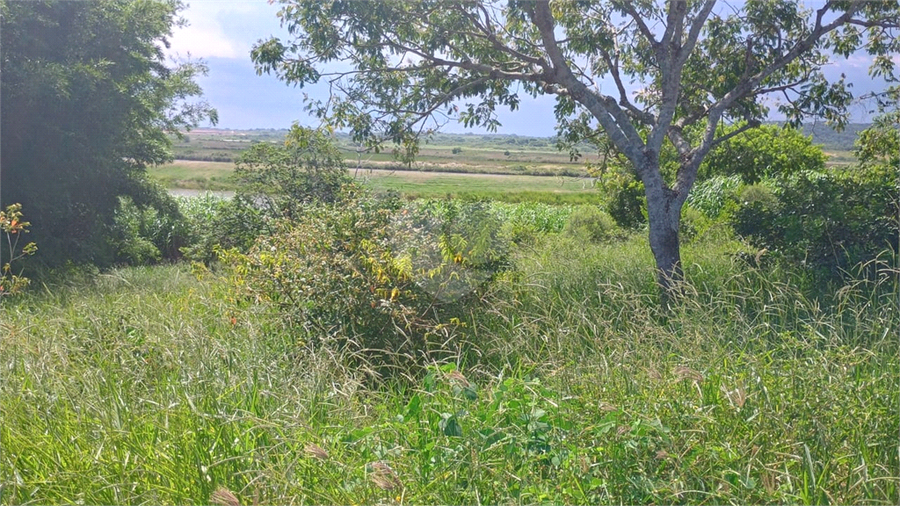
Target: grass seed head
383, 476
686, 373
224, 497
459, 378
315, 451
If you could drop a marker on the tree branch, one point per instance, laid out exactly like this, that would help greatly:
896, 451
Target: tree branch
746, 87
694, 31
638, 114
614, 121
628, 7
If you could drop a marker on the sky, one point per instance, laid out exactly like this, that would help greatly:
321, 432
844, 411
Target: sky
222, 33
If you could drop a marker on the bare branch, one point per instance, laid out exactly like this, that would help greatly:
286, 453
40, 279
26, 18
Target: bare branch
674, 25
638, 114
734, 133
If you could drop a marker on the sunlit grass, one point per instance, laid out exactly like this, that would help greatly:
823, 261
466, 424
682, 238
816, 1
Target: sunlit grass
198, 175
150, 385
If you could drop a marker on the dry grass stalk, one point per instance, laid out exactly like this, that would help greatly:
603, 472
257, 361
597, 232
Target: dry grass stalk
738, 396
383, 476
686, 373
224, 497
315, 451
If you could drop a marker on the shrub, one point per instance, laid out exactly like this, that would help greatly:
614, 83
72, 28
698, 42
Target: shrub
308, 167
767, 151
391, 284
830, 220
624, 197
712, 195
217, 223
133, 245
148, 229
592, 224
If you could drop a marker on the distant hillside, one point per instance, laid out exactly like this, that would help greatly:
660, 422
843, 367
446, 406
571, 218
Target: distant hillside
832, 140
221, 144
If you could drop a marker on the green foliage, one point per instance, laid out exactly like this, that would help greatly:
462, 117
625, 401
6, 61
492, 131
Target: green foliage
763, 152
153, 384
625, 199
218, 224
13, 228
391, 285
592, 224
132, 225
880, 143
308, 167
711, 196
831, 220
149, 229
694, 223
88, 105
527, 221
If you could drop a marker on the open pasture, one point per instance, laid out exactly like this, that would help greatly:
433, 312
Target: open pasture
214, 176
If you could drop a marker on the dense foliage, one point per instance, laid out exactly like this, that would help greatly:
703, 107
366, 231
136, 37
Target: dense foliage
698, 65
282, 178
88, 103
831, 220
362, 274
767, 151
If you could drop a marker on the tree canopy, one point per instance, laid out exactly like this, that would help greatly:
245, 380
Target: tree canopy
397, 69
767, 151
89, 103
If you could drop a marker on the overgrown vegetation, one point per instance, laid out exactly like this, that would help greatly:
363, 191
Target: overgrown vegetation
318, 340
831, 221
88, 102
156, 385
353, 347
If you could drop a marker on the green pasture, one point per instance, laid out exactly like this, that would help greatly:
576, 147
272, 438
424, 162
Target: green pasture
200, 175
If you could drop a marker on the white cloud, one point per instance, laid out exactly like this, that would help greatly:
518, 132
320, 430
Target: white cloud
206, 35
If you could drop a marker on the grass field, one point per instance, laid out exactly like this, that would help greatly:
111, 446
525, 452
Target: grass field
194, 175
154, 386
200, 175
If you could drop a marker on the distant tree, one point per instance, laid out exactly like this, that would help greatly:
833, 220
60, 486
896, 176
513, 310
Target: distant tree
410, 63
880, 143
282, 178
767, 151
88, 104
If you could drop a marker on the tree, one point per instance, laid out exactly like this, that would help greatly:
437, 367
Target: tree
88, 104
880, 143
767, 151
281, 179
397, 69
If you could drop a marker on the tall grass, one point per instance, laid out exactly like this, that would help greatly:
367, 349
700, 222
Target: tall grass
153, 386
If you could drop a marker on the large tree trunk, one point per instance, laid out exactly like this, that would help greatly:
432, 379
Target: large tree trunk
664, 216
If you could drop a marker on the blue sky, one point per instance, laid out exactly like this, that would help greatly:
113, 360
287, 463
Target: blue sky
222, 32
